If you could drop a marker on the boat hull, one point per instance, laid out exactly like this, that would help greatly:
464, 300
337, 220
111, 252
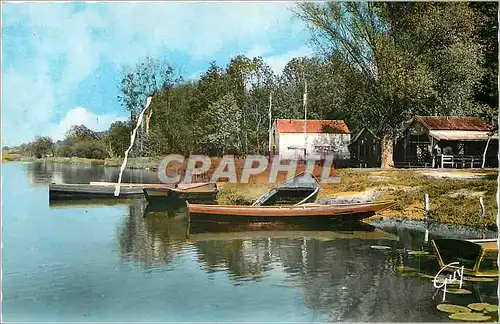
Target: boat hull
84, 191
478, 257
199, 193
344, 212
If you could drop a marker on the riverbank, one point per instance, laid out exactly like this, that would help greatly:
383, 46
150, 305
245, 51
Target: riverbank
453, 200
454, 194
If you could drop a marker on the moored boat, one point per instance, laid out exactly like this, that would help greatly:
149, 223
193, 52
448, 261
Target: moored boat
343, 212
478, 257
94, 190
300, 189
195, 192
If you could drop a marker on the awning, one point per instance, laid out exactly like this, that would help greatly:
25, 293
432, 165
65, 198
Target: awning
455, 135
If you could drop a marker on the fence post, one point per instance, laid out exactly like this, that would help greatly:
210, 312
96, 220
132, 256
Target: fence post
426, 216
483, 209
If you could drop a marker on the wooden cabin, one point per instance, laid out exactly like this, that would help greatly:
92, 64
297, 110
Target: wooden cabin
446, 141
366, 151
288, 138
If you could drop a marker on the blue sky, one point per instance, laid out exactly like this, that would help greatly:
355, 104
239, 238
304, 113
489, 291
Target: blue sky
62, 62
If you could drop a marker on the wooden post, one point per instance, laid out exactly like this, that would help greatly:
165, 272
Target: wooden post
426, 216
426, 206
483, 209
484, 153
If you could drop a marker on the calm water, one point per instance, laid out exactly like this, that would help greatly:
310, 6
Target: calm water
121, 262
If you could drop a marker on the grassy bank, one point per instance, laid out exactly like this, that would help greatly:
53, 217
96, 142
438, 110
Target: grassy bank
452, 200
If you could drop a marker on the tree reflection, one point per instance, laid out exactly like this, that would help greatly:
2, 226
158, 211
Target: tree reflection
152, 240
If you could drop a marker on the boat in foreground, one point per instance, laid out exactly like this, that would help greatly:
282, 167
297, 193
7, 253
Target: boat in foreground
194, 192
478, 257
300, 189
344, 212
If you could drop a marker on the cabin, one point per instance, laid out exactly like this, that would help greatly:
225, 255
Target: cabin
295, 139
366, 150
446, 141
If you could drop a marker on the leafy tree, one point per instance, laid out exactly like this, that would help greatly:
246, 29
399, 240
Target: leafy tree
117, 138
146, 78
404, 59
42, 146
224, 118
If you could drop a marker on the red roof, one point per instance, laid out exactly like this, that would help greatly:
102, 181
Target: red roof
453, 123
313, 126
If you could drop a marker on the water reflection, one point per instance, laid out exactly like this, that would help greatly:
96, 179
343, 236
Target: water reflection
41, 173
336, 269
153, 240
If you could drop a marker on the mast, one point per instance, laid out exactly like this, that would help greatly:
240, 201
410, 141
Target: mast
270, 122
305, 119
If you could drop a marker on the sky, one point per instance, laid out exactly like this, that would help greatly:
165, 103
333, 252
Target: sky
62, 62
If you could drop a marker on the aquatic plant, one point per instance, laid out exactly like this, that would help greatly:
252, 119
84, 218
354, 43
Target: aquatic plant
469, 317
449, 308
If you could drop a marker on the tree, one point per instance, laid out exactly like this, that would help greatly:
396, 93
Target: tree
117, 138
224, 118
145, 79
42, 146
403, 59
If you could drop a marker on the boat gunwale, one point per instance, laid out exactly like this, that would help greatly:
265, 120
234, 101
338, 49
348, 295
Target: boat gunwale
475, 271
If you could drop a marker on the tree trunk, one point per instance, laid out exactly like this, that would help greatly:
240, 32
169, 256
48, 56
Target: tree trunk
387, 152
484, 153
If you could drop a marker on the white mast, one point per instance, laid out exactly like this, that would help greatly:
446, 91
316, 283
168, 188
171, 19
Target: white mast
270, 122
305, 119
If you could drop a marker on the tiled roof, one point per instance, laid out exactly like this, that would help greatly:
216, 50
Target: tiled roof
453, 123
313, 126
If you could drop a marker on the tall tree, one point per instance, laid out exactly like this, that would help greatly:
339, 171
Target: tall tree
143, 80
405, 59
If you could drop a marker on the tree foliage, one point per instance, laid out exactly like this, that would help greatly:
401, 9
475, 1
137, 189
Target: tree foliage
404, 59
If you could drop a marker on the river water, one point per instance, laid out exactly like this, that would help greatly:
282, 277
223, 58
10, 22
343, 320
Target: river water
118, 261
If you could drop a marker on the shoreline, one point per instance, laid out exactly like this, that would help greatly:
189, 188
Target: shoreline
454, 194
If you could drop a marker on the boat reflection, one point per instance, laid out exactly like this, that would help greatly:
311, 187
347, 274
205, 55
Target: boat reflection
323, 230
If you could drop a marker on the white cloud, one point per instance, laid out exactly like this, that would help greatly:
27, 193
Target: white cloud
81, 116
120, 33
278, 62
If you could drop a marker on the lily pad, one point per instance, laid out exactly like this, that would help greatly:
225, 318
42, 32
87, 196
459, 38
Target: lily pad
478, 307
469, 317
458, 291
491, 309
449, 308
418, 253
440, 281
479, 279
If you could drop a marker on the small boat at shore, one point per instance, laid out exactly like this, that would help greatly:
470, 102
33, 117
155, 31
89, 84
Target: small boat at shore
194, 192
342, 212
478, 257
98, 190
300, 189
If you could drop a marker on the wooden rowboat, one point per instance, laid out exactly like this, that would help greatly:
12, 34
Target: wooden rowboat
478, 257
195, 192
99, 190
300, 189
346, 212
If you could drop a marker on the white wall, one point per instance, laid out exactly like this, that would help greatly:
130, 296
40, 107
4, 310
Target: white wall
339, 142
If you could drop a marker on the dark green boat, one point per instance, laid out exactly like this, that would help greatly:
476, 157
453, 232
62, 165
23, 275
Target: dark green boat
478, 257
